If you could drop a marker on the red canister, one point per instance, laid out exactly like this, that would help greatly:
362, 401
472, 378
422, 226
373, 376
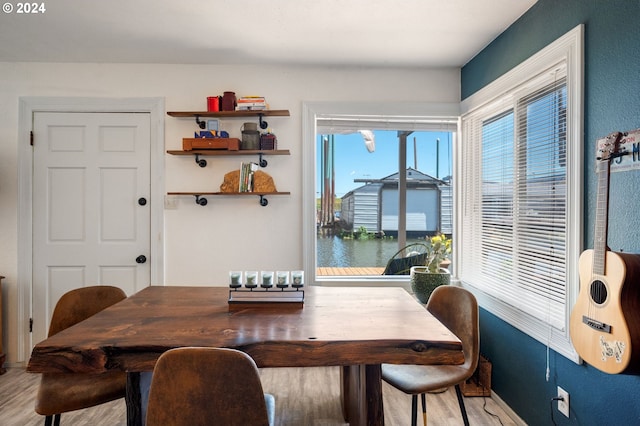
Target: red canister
213, 103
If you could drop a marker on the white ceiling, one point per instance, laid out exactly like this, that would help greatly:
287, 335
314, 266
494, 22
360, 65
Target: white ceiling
403, 33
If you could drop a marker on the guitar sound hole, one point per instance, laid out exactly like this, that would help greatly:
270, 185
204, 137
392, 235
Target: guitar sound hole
598, 292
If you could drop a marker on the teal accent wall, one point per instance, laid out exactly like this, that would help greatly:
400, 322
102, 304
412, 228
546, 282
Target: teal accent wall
611, 103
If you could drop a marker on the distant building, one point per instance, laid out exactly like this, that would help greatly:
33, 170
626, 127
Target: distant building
375, 205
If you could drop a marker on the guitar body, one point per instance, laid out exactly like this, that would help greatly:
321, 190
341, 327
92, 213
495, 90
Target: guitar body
605, 321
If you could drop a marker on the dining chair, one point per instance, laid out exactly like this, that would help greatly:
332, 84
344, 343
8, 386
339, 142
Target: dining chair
195, 386
63, 392
414, 254
457, 309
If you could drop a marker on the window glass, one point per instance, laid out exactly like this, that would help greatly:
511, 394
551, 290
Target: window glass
357, 196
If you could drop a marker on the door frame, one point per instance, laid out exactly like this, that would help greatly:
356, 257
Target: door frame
28, 106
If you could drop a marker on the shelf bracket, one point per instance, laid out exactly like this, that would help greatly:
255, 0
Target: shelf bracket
200, 123
201, 200
263, 201
201, 161
263, 124
262, 161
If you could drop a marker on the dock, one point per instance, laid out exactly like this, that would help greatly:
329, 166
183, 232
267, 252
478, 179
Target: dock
351, 271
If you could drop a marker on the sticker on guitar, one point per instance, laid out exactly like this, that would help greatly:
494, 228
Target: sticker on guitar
611, 349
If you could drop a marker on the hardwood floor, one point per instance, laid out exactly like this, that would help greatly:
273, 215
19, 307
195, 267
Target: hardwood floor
304, 396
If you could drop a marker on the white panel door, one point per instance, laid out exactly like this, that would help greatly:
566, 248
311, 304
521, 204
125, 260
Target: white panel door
91, 215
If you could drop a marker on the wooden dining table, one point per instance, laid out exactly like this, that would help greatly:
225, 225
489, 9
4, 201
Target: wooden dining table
356, 328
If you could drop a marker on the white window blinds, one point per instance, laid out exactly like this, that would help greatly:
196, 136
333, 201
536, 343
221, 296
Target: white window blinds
520, 223
514, 200
344, 123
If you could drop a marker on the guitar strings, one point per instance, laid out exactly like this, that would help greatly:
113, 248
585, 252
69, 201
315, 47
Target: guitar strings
599, 246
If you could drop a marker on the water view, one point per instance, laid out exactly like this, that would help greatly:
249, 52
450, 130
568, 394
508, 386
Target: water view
336, 252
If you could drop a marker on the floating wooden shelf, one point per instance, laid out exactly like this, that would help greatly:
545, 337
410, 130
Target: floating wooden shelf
203, 201
229, 193
230, 114
213, 152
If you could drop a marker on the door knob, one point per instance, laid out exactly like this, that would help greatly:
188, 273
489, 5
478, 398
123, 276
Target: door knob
141, 259
142, 201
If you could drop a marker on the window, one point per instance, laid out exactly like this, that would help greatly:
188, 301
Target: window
358, 186
331, 136
520, 187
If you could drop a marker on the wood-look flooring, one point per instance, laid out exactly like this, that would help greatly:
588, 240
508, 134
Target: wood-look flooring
304, 396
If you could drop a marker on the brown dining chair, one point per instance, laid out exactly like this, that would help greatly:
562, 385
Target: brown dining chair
63, 392
205, 386
457, 309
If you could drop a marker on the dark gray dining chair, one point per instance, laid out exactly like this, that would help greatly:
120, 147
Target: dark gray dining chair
414, 254
457, 309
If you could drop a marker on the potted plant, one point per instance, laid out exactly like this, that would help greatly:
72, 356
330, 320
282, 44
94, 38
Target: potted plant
424, 279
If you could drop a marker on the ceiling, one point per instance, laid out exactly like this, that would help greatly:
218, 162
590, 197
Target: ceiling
387, 33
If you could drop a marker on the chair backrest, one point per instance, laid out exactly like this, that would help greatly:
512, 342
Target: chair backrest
457, 309
81, 303
206, 386
401, 262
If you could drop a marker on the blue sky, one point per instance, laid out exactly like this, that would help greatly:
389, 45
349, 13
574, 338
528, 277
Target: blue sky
353, 161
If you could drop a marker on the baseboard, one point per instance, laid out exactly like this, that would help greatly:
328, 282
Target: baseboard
18, 364
512, 414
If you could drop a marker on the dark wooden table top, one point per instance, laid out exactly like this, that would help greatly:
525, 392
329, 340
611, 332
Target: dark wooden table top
336, 326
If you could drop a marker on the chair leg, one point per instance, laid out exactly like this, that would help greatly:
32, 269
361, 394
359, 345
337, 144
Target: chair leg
414, 410
424, 408
463, 410
49, 420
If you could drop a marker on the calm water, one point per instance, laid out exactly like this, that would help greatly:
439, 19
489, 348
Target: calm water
337, 252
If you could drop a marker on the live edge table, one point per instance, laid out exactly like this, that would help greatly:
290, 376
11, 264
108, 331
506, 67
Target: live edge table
355, 328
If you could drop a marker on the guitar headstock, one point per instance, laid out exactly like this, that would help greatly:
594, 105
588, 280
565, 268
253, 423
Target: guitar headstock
609, 147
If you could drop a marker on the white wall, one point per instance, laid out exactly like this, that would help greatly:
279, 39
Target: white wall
203, 243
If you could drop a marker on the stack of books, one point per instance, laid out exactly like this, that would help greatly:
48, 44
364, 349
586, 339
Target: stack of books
246, 176
251, 103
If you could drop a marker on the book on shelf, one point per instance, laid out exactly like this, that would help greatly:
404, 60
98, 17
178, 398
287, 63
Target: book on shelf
249, 103
243, 107
251, 100
246, 176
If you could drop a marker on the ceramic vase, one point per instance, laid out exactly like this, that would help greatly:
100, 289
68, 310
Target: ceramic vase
424, 282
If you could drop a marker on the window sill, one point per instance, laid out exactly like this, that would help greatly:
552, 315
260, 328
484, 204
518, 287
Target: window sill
364, 281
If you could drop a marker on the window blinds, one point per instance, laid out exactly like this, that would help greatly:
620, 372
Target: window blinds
514, 198
344, 123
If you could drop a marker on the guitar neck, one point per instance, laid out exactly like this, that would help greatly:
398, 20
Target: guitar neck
602, 211
608, 148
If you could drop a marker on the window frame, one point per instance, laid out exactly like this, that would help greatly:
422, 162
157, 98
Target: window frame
310, 113
498, 96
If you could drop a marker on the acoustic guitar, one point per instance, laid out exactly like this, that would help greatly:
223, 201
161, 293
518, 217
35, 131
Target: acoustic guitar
605, 321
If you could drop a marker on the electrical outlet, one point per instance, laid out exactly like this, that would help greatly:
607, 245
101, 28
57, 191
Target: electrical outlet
563, 401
